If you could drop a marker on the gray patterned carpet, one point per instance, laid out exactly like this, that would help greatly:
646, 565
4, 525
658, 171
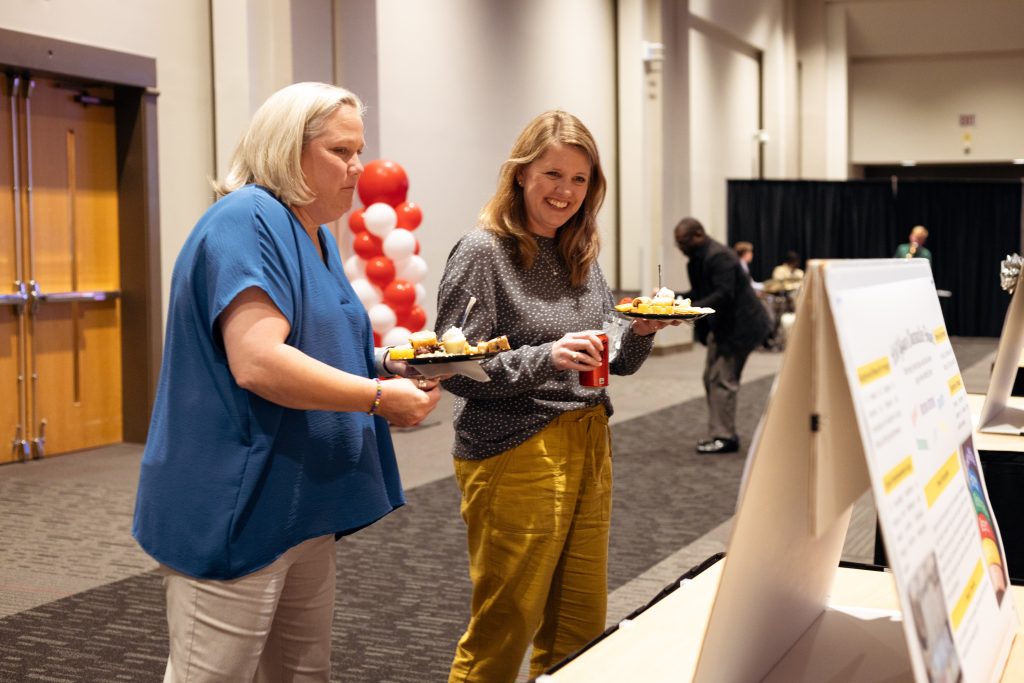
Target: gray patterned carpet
403, 585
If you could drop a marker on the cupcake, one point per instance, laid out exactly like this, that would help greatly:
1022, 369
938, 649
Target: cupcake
454, 341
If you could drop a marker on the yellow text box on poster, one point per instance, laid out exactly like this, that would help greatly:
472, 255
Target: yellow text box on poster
956, 383
966, 596
941, 479
940, 335
898, 474
876, 369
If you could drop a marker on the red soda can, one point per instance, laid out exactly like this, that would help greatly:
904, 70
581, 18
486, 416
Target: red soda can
597, 377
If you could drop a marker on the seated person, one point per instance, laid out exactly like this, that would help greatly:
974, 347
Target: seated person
745, 250
915, 247
787, 276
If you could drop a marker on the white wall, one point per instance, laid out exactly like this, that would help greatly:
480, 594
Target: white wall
313, 53
754, 22
765, 29
252, 58
635, 247
886, 80
177, 35
811, 56
355, 54
780, 87
899, 27
725, 93
676, 162
646, 140
908, 108
822, 51
459, 80
742, 68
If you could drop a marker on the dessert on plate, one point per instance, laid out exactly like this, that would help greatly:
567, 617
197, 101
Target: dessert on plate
424, 344
664, 302
454, 341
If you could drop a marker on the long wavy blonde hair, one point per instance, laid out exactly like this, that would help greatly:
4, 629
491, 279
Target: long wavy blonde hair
577, 241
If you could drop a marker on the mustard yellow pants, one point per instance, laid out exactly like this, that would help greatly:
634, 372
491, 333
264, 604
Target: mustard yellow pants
537, 518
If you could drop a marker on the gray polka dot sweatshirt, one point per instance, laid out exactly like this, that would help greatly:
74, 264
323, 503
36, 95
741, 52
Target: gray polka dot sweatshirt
534, 308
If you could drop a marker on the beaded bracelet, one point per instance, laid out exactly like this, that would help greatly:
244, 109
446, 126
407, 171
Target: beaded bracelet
376, 399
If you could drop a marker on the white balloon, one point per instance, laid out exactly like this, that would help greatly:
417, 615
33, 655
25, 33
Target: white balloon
367, 292
355, 267
380, 219
396, 336
421, 294
399, 244
413, 269
382, 318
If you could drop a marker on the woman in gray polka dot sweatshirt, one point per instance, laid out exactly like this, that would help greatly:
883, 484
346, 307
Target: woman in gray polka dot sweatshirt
532, 447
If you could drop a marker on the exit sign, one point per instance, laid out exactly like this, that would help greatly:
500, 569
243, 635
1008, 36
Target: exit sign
966, 120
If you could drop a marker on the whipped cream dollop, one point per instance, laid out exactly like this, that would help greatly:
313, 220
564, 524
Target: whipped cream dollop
665, 295
454, 340
453, 334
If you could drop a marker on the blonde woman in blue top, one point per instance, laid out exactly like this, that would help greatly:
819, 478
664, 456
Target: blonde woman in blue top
269, 436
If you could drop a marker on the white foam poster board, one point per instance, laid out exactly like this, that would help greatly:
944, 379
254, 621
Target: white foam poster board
869, 395
996, 415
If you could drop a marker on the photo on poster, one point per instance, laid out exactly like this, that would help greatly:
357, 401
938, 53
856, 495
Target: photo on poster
931, 623
991, 546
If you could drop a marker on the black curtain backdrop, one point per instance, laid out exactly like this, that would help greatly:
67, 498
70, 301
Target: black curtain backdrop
972, 226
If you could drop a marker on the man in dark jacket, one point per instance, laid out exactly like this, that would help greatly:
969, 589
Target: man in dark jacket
739, 325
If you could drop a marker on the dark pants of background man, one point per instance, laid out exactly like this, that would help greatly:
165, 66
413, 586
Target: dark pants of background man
722, 371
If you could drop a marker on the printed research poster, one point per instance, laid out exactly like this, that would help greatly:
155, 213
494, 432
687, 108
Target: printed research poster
941, 539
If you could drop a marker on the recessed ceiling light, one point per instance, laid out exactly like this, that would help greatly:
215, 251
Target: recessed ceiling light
908, 163
1018, 161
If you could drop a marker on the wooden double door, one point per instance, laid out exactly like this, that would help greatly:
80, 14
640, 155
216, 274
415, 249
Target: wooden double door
60, 304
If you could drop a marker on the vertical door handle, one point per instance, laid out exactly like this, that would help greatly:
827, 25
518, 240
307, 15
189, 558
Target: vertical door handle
34, 296
20, 447
39, 443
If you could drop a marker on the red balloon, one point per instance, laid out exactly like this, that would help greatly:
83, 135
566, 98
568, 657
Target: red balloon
409, 215
417, 249
400, 295
377, 340
355, 221
383, 181
414, 320
367, 245
380, 271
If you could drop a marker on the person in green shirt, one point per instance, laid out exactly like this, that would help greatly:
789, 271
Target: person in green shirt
915, 247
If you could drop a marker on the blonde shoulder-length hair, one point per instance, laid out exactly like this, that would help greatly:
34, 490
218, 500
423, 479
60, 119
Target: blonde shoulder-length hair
577, 241
270, 151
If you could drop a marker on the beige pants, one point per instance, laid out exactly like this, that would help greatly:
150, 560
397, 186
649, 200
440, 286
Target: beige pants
271, 625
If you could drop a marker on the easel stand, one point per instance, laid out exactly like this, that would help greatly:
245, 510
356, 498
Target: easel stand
869, 395
997, 415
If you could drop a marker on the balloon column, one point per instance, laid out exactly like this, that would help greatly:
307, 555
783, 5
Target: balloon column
386, 269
